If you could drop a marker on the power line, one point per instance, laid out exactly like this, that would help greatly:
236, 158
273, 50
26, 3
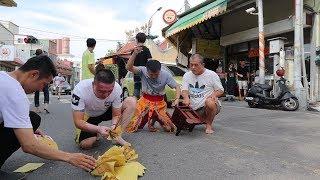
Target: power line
76, 36
79, 40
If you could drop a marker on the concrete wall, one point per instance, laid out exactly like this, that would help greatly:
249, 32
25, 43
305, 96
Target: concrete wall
65, 45
59, 46
6, 37
13, 28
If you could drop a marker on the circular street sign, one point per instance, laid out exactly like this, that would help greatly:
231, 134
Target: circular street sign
169, 16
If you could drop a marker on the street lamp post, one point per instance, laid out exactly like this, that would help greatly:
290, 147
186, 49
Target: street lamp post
261, 38
150, 20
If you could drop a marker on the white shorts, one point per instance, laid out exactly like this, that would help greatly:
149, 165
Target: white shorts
243, 85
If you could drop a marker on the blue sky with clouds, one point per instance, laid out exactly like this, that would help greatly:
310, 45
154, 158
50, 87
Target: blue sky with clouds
80, 19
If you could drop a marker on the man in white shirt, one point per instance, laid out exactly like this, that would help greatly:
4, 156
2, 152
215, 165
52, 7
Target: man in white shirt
96, 100
57, 81
200, 90
17, 124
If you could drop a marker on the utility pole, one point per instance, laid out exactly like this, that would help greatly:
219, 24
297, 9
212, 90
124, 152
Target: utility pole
261, 42
298, 45
314, 71
186, 5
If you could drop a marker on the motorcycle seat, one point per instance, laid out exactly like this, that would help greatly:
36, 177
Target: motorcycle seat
266, 87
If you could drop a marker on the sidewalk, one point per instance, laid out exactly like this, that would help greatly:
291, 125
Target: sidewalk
314, 107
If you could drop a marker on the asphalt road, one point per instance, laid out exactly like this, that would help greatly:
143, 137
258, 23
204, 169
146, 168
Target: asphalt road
247, 144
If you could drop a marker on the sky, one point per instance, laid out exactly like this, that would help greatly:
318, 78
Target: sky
105, 20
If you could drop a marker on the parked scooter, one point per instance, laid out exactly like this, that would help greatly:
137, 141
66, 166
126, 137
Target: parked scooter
260, 95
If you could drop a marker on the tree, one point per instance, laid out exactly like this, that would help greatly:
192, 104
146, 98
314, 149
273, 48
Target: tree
119, 45
110, 52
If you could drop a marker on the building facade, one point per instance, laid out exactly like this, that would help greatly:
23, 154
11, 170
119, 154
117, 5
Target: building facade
223, 32
9, 56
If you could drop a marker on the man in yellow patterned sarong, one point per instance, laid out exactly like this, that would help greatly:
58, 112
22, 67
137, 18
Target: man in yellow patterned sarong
151, 106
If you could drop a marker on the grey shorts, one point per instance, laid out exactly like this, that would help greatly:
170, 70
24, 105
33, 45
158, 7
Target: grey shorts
201, 111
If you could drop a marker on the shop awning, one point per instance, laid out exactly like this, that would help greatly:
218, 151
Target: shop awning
314, 4
8, 3
198, 16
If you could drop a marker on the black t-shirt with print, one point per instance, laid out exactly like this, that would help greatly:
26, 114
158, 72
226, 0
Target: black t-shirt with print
243, 71
141, 60
231, 74
142, 57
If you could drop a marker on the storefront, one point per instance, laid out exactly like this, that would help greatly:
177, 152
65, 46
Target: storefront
236, 32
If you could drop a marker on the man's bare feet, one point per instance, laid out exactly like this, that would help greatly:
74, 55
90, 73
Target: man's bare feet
88, 143
122, 142
209, 129
37, 110
152, 129
169, 128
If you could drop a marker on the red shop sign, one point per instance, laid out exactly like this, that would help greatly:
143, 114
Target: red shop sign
255, 52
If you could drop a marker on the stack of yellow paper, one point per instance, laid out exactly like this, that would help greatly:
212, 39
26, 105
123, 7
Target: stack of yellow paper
48, 141
113, 134
118, 163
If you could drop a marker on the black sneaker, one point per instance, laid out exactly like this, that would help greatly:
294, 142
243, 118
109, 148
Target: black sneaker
11, 176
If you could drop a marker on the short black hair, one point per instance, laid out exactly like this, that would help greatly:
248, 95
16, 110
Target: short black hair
42, 63
38, 52
91, 42
104, 75
141, 37
153, 65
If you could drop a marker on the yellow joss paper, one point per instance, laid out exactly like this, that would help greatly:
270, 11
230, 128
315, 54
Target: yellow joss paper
115, 133
48, 141
28, 167
108, 176
130, 171
118, 164
129, 153
107, 167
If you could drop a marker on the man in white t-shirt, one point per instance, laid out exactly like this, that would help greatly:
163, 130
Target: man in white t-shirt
96, 100
200, 90
58, 81
18, 124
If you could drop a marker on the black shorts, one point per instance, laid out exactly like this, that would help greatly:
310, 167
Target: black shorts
107, 116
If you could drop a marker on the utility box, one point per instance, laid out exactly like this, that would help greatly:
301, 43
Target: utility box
276, 44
